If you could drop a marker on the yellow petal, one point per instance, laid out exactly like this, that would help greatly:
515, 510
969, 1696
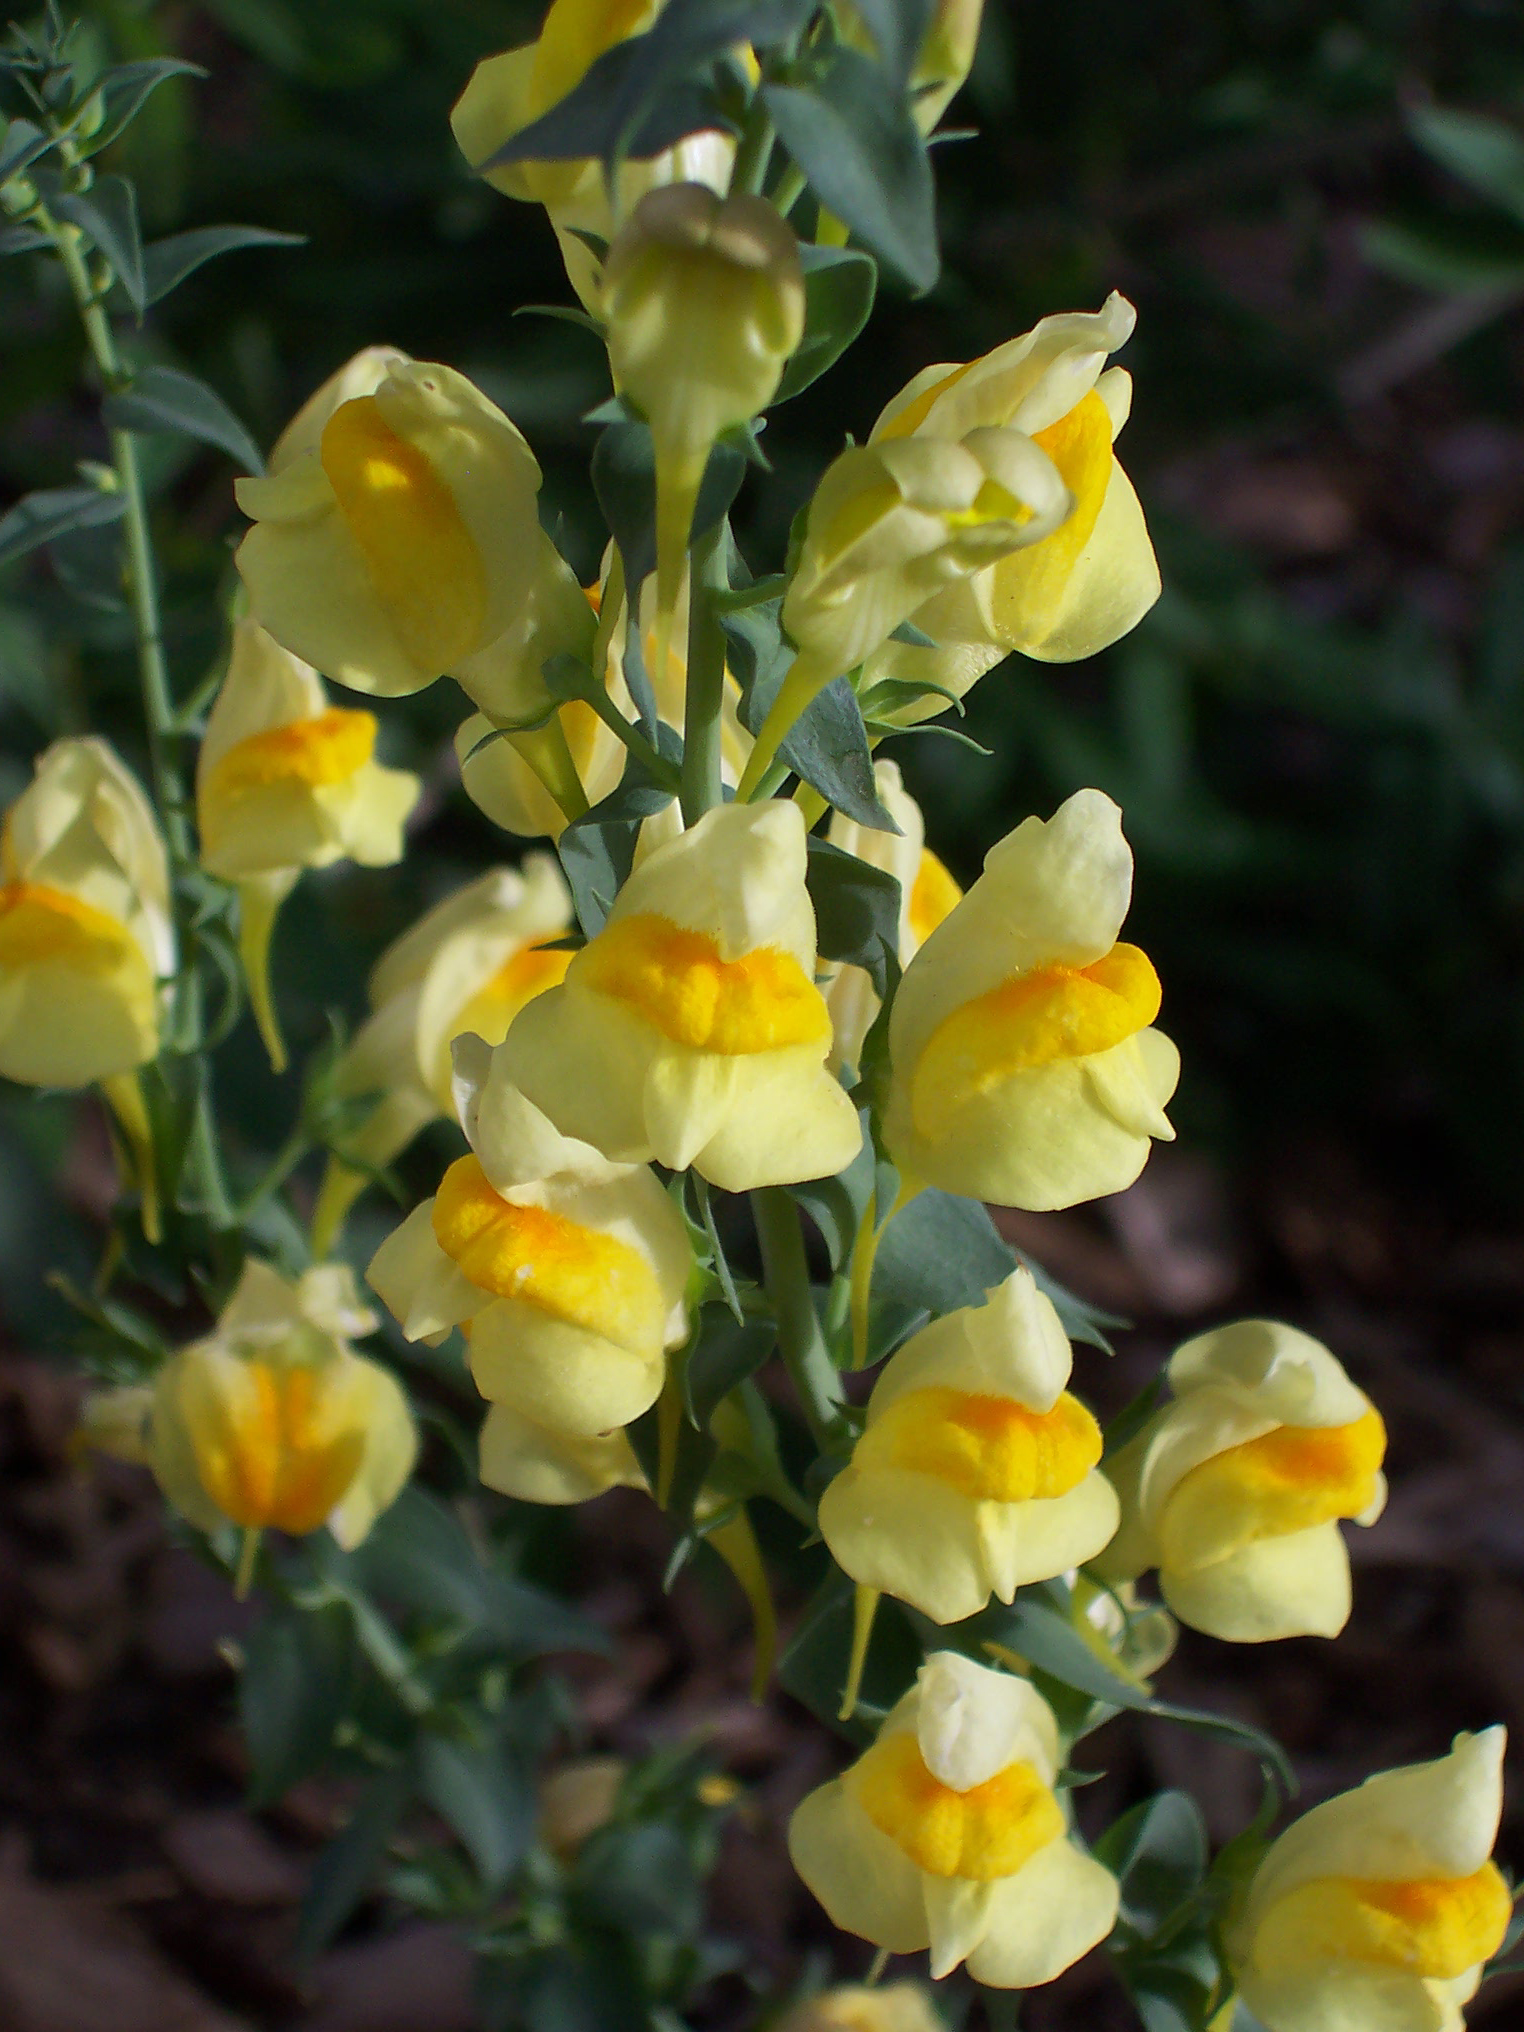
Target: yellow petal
540, 1464
78, 999
865, 1881
559, 1374
990, 1449
986, 1832
1294, 1586
1042, 1919
1285, 1481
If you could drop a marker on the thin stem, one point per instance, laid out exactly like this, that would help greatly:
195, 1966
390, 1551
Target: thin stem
800, 1340
790, 188
205, 1155
644, 752
754, 151
703, 787
545, 751
280, 1168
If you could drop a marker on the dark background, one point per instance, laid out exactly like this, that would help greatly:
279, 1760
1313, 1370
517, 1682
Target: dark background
1317, 739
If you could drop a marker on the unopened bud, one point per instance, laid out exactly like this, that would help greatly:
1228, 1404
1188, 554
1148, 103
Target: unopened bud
577, 1800
17, 196
704, 298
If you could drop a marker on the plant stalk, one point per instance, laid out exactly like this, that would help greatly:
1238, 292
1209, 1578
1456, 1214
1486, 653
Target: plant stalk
702, 785
800, 1340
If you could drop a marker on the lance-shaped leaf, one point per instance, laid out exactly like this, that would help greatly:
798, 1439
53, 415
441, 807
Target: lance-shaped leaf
22, 145
165, 398
123, 90
485, 1794
1486, 153
166, 263
839, 287
898, 28
51, 512
857, 910
346, 1869
109, 218
852, 135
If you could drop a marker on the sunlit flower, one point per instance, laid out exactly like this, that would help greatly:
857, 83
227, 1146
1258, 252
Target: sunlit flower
1378, 1908
1026, 1069
1235, 1490
569, 1272
690, 1030
948, 1834
977, 1470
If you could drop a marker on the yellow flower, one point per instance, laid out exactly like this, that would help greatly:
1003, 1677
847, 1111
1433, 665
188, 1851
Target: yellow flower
927, 895
540, 1463
85, 931
395, 538
1087, 582
977, 1471
690, 1030
577, 1799
509, 91
943, 61
893, 2007
274, 1423
467, 967
1025, 1066
569, 1271
512, 793
704, 298
286, 781
1235, 1490
891, 525
1375, 1911
947, 1834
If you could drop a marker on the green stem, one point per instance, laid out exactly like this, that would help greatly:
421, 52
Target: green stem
800, 1340
754, 151
204, 1154
703, 787
789, 189
648, 756
280, 1168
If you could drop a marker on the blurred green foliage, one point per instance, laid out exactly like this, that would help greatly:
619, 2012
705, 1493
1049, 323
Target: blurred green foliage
1321, 753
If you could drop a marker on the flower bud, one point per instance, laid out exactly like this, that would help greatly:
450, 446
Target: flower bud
1236, 1489
948, 1834
1025, 1068
274, 1423
893, 2007
690, 1030
466, 967
927, 894
943, 61
395, 539
1381, 1906
85, 930
704, 298
508, 91
976, 1471
570, 1272
577, 1799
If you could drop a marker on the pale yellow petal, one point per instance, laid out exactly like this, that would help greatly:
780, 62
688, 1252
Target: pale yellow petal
1055, 1909
866, 1883
1297, 1585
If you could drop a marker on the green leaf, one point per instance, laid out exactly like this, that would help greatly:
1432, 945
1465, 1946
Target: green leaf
109, 217
938, 1253
598, 850
345, 1870
836, 1205
1451, 257
898, 28
292, 1694
1158, 1852
165, 398
639, 97
89, 566
51, 512
852, 135
166, 263
124, 89
484, 1793
827, 747
724, 1353
641, 1879
21, 240
419, 1558
857, 911
814, 1667
1488, 154
840, 284
22, 145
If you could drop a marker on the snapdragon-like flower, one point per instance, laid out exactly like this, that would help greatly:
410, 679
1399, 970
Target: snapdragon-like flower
507, 92
977, 1470
927, 895
569, 1273
1026, 1069
948, 1834
273, 1422
1376, 1911
889, 526
285, 781
85, 930
690, 1030
1084, 583
1235, 1491
467, 967
704, 298
395, 535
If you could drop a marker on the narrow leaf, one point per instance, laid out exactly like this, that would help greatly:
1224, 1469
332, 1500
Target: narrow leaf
485, 1794
166, 398
166, 263
346, 1869
22, 145
125, 87
1486, 153
109, 216
38, 518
